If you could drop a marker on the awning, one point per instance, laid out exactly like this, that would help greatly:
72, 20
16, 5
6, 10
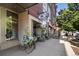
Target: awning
17, 7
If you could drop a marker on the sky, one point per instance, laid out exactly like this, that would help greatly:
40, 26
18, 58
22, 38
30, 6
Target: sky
61, 6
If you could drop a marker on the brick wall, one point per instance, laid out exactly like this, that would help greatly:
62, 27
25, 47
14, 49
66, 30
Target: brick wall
35, 10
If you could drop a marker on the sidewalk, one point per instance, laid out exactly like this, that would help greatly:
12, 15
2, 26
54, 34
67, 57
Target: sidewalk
51, 47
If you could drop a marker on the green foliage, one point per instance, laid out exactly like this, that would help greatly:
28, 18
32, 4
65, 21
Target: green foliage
73, 6
8, 27
76, 23
9, 23
68, 19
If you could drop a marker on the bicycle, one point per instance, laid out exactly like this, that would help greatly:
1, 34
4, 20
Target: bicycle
29, 44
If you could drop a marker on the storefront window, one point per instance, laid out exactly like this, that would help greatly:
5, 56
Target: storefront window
11, 25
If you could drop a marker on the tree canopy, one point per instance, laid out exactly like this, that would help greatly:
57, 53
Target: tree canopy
68, 19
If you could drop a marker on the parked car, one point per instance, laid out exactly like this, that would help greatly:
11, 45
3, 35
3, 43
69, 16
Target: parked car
77, 35
63, 35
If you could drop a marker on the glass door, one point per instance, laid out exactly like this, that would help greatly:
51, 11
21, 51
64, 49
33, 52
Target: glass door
11, 26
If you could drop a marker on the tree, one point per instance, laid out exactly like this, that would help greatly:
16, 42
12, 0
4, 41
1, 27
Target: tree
64, 20
73, 6
76, 21
68, 19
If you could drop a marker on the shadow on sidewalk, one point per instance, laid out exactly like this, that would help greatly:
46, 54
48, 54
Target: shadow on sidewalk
51, 47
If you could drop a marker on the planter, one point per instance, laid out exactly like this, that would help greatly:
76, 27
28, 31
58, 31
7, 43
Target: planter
76, 50
75, 42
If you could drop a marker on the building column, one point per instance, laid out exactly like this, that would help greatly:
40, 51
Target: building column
2, 24
24, 26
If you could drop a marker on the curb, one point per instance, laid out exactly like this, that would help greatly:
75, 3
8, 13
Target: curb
68, 48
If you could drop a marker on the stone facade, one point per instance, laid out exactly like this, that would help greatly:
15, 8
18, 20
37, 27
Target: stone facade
25, 21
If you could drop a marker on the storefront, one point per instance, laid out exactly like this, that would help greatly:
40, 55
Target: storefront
17, 20
13, 26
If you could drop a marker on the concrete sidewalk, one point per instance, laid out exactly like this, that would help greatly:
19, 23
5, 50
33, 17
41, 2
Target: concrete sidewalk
51, 47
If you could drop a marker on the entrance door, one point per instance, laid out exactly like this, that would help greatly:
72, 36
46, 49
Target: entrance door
11, 26
36, 28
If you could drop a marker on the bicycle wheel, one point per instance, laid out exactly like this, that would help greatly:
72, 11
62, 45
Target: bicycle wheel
30, 48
